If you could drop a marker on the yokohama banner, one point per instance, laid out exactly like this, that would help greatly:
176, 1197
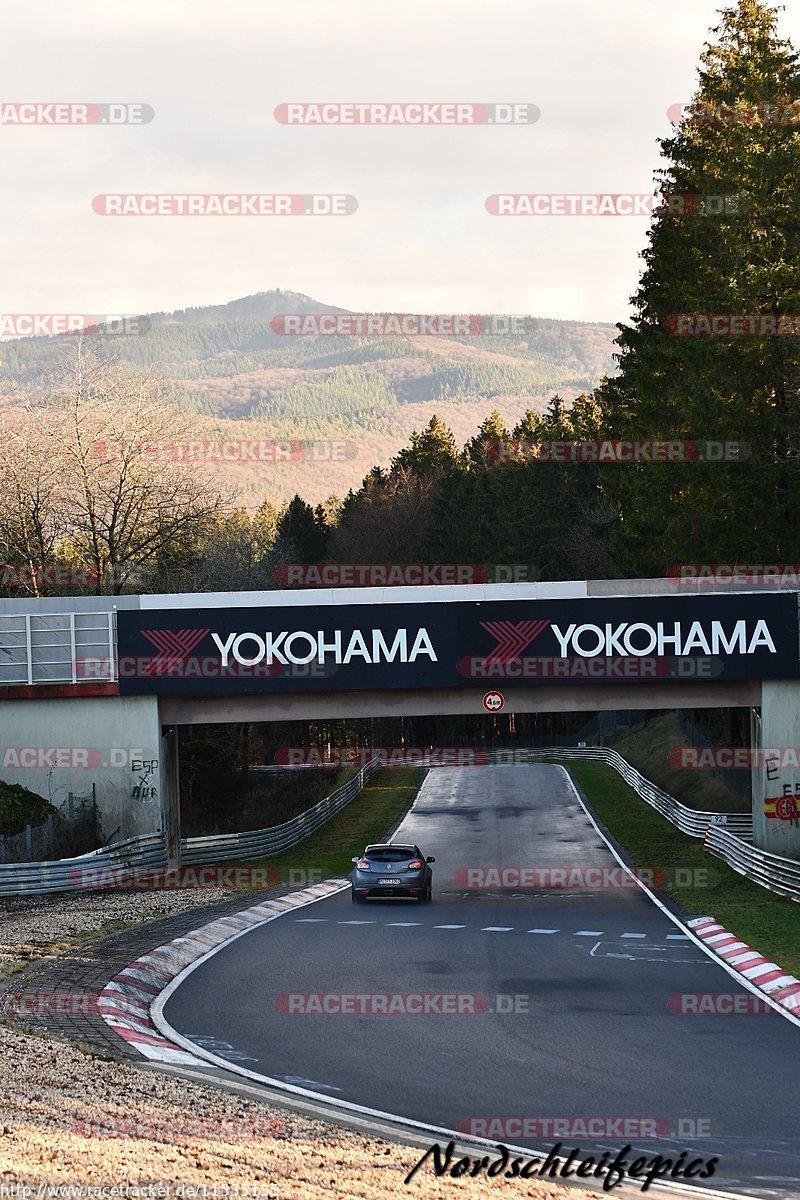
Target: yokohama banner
448, 644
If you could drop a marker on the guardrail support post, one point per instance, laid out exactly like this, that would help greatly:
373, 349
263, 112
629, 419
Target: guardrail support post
171, 796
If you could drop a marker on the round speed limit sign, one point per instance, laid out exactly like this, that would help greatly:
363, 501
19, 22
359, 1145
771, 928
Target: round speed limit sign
494, 702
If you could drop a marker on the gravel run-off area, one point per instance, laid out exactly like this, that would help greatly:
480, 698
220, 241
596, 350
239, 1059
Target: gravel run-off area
73, 1123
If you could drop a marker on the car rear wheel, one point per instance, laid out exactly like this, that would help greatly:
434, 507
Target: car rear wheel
354, 896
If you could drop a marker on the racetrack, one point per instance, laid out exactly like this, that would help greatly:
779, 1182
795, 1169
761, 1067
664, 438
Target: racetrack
583, 1028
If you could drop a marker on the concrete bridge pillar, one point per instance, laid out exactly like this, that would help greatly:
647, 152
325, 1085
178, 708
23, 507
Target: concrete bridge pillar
58, 746
776, 781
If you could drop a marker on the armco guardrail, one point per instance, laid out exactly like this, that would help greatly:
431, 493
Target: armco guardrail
688, 820
724, 834
70, 874
148, 850
226, 846
773, 871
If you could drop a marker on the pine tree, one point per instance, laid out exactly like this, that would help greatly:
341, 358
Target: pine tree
432, 451
302, 532
736, 254
483, 447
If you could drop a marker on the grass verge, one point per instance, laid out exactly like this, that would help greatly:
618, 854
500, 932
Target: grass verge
768, 923
648, 748
368, 818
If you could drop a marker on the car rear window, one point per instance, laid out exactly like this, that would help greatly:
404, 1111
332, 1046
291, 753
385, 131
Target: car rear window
390, 853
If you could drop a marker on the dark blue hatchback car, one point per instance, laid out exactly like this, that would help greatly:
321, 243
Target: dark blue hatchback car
392, 870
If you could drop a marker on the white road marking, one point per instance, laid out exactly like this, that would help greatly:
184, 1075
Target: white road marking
695, 922
401, 924
497, 928
311, 920
641, 958
300, 1079
355, 922
543, 931
223, 1049
678, 937
633, 935
449, 927
588, 933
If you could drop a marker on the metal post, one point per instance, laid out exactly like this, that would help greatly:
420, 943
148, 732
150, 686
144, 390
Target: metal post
28, 648
112, 646
73, 654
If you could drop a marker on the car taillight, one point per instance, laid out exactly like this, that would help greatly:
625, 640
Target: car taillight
416, 865
362, 865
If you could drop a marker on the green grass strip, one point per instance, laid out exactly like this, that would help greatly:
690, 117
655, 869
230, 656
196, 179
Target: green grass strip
768, 923
368, 818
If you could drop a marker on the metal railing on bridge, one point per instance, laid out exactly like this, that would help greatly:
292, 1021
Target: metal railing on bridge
63, 647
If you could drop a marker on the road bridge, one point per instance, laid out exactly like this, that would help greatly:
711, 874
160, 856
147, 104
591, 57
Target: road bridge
95, 689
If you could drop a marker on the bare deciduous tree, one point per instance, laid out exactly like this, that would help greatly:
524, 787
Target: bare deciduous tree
105, 467
33, 520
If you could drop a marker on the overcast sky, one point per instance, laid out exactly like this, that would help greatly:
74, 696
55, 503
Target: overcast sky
602, 74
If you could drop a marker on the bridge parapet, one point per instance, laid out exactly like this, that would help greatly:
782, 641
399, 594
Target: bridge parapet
57, 648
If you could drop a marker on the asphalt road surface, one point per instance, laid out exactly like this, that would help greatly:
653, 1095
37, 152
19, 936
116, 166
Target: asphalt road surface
565, 998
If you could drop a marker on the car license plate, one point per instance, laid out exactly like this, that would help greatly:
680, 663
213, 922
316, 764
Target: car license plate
390, 882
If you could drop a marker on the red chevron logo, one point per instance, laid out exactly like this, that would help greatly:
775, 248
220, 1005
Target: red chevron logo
512, 638
174, 647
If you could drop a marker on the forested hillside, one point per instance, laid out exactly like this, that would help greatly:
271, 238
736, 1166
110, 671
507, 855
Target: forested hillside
240, 379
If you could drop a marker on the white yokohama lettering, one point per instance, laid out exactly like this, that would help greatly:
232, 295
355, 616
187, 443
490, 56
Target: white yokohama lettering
248, 649
638, 639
